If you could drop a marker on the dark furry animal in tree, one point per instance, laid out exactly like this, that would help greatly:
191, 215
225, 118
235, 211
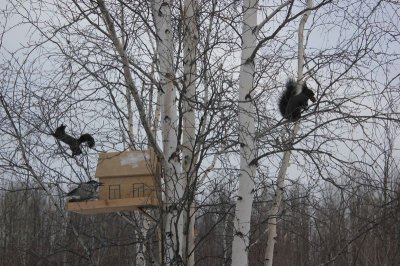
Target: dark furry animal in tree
74, 144
291, 104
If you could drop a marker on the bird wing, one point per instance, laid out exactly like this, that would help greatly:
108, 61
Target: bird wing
73, 192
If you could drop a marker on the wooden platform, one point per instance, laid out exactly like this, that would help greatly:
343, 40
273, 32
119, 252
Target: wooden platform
106, 206
130, 180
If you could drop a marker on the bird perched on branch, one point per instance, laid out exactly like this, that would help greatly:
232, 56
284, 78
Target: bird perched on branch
84, 191
292, 103
74, 144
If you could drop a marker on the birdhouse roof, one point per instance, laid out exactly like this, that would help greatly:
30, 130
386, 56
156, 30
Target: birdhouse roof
126, 163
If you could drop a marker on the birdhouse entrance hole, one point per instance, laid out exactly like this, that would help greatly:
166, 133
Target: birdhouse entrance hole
130, 180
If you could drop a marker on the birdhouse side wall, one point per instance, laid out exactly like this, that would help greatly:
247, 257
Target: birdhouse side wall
127, 187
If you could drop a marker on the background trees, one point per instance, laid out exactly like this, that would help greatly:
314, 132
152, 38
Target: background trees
97, 66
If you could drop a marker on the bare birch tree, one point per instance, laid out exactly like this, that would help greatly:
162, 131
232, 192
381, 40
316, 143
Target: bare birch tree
190, 53
174, 184
277, 200
214, 70
241, 239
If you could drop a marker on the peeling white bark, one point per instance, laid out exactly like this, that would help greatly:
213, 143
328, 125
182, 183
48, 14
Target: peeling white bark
172, 171
246, 138
188, 139
277, 201
272, 220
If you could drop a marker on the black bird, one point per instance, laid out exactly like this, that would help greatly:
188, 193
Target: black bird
85, 191
74, 144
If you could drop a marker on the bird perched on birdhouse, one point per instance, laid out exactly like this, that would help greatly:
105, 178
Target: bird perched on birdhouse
130, 180
85, 191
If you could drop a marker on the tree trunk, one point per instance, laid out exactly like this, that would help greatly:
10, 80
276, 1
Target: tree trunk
272, 220
241, 238
188, 139
172, 173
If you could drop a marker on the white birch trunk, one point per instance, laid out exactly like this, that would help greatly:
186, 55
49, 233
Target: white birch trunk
247, 121
272, 220
141, 249
300, 62
173, 187
188, 139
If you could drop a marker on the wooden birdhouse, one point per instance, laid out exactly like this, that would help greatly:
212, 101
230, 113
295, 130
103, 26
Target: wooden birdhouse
130, 180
